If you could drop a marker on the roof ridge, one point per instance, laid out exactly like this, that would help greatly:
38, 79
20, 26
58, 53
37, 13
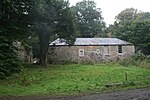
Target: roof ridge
93, 41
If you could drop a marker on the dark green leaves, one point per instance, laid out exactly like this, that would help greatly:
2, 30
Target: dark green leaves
89, 18
134, 27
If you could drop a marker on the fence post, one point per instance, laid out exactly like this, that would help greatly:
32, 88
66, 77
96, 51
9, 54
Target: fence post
126, 76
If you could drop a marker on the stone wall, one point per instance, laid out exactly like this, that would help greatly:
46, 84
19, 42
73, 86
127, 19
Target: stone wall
23, 54
59, 54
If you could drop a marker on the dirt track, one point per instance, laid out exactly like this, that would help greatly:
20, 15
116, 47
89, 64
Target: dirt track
134, 94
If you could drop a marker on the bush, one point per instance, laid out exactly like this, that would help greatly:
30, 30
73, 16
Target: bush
139, 59
9, 62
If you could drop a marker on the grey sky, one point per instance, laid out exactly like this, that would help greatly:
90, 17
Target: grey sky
111, 8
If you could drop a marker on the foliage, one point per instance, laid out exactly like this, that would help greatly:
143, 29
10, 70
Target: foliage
73, 79
89, 18
133, 26
26, 80
9, 63
13, 27
139, 59
52, 19
128, 14
18, 19
35, 47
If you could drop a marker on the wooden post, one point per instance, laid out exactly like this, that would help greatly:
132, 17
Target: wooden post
126, 76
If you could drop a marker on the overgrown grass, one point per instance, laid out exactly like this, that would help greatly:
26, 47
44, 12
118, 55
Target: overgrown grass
73, 79
138, 59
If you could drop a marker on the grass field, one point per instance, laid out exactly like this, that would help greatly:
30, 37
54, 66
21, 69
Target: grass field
73, 79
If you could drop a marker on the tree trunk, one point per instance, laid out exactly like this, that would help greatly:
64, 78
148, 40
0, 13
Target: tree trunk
44, 45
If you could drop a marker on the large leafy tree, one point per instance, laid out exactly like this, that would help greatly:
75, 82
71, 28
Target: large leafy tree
134, 27
89, 18
14, 26
48, 18
128, 14
52, 18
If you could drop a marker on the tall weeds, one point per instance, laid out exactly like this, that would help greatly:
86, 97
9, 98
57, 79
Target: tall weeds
139, 59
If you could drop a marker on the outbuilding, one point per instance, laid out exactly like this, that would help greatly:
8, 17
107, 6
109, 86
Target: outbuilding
90, 50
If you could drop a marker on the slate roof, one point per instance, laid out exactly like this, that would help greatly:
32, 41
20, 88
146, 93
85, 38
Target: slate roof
92, 41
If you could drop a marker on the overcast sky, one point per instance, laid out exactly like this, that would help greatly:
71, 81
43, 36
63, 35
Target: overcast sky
111, 8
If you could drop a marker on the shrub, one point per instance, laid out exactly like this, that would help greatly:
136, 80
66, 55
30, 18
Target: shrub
9, 62
139, 59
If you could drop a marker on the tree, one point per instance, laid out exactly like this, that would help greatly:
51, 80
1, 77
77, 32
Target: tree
52, 18
14, 26
145, 16
133, 26
89, 18
128, 14
141, 35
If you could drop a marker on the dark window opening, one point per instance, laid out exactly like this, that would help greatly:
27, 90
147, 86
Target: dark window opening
119, 49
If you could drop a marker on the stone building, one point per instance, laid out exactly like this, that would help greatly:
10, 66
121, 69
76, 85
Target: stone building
89, 50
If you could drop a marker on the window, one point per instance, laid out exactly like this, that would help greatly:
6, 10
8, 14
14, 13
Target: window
119, 49
81, 52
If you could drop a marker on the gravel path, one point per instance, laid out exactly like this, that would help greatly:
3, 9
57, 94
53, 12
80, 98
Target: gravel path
134, 94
